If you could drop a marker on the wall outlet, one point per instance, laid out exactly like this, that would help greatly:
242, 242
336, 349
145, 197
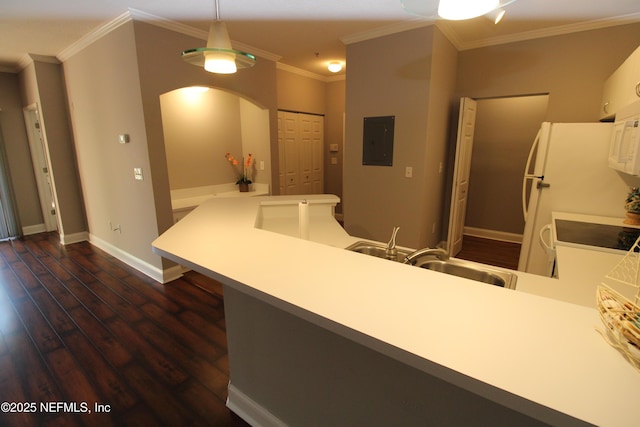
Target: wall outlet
408, 172
261, 165
115, 228
123, 138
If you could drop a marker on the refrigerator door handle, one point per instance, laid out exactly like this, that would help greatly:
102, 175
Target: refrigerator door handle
528, 176
541, 184
548, 247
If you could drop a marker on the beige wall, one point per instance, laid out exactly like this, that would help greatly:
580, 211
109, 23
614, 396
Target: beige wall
43, 83
255, 130
505, 130
570, 68
334, 134
200, 127
17, 149
115, 87
410, 85
300, 93
256, 83
104, 94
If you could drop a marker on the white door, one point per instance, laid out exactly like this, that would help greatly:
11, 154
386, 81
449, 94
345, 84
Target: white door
300, 145
290, 155
462, 166
41, 168
311, 150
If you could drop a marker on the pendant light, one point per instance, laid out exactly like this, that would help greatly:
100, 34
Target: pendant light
218, 57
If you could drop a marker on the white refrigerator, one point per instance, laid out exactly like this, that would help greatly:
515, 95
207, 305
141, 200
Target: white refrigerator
567, 172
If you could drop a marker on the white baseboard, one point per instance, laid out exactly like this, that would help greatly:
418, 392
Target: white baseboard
493, 234
33, 229
249, 410
157, 274
67, 239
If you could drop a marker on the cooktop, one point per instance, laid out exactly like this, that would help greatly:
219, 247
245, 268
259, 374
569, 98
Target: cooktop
599, 235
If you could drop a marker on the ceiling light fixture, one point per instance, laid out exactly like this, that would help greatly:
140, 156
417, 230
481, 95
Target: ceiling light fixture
218, 57
335, 66
457, 10
496, 15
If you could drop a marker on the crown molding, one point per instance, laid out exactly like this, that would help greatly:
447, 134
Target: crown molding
177, 27
460, 45
138, 15
94, 35
309, 74
12, 70
30, 58
538, 34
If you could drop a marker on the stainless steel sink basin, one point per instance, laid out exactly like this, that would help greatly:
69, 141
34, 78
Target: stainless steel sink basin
471, 270
378, 250
456, 267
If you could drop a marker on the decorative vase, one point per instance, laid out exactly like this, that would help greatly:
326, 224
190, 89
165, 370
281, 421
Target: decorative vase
244, 187
632, 218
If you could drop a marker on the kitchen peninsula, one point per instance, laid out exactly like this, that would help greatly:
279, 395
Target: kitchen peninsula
321, 335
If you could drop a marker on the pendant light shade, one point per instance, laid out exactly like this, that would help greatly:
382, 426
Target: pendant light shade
219, 61
465, 9
218, 57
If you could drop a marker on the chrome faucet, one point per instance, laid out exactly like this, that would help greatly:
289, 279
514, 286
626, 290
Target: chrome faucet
391, 250
413, 256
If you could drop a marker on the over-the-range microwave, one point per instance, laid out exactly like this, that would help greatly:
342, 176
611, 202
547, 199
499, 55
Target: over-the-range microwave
624, 151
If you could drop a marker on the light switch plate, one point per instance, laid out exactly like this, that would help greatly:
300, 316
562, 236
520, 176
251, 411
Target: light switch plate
137, 174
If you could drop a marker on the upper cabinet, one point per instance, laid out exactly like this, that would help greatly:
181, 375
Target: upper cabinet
622, 87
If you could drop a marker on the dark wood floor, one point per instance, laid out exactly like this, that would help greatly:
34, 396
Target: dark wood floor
78, 327
492, 252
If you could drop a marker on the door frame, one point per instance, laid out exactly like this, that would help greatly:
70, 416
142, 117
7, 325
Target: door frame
40, 160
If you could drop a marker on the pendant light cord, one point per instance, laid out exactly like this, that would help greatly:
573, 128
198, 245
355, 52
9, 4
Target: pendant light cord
217, 10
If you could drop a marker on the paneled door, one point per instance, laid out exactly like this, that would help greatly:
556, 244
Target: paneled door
301, 153
459, 191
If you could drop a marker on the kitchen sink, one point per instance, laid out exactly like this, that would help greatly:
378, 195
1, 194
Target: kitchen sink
453, 266
470, 270
378, 250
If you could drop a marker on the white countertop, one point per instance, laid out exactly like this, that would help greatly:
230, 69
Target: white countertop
509, 346
189, 198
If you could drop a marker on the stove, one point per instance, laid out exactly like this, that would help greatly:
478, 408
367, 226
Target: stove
607, 236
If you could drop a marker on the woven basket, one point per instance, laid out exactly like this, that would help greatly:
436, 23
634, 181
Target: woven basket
621, 318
